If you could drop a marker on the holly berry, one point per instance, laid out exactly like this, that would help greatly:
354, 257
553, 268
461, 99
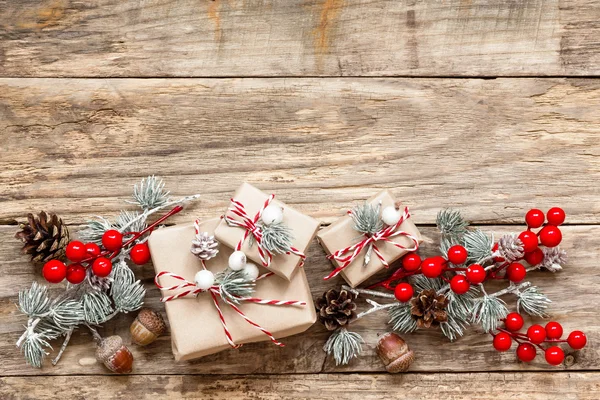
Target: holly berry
526, 352
432, 267
516, 272
550, 236
534, 257
102, 267
75, 251
529, 240
54, 271
502, 341
112, 240
577, 340
75, 273
459, 284
513, 322
92, 249
403, 292
457, 254
534, 218
554, 330
554, 355
536, 334
556, 216
411, 262
140, 253
475, 274
497, 259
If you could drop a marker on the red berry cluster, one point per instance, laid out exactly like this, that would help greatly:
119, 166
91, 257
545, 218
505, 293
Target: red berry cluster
536, 335
84, 256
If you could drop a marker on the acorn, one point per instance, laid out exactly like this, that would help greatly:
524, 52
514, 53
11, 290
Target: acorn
394, 353
147, 327
115, 355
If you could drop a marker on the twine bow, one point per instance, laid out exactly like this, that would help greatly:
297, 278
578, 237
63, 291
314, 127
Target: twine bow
251, 226
216, 293
384, 234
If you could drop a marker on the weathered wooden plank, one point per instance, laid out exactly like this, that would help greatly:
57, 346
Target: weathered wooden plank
532, 386
491, 147
104, 38
572, 290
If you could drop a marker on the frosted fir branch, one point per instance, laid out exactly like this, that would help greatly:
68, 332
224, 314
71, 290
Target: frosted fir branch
34, 302
451, 224
277, 238
358, 291
131, 221
127, 293
420, 283
150, 193
453, 328
97, 307
479, 246
533, 302
343, 346
233, 285
401, 318
366, 218
374, 307
459, 306
488, 311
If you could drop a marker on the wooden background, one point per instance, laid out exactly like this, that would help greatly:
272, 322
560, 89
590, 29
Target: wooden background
490, 108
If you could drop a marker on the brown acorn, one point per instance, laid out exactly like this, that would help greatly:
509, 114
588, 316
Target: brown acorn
147, 327
394, 353
115, 355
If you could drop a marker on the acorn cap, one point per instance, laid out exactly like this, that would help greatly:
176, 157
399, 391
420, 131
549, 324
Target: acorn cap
394, 353
152, 321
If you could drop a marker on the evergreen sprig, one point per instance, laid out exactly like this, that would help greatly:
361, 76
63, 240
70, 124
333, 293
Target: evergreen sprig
276, 238
366, 218
150, 193
234, 285
533, 302
451, 224
343, 345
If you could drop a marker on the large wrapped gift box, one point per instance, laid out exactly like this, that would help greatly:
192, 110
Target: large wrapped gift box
196, 329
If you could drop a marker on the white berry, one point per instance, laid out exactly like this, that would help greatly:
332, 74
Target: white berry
272, 214
237, 260
390, 215
250, 272
204, 279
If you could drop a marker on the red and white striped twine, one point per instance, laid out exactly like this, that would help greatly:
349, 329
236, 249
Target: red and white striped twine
384, 234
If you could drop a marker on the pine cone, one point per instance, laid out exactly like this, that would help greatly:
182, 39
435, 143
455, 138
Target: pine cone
205, 246
45, 237
336, 309
510, 247
429, 308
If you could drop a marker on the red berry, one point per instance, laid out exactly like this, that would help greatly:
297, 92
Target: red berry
516, 272
102, 267
459, 284
554, 355
536, 334
556, 216
457, 254
92, 249
534, 257
411, 262
75, 251
140, 253
502, 341
526, 352
550, 236
112, 240
513, 322
577, 340
476, 274
497, 259
529, 239
432, 267
554, 330
54, 271
75, 273
403, 292
534, 218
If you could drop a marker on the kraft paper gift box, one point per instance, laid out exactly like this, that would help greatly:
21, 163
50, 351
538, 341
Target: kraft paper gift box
196, 329
303, 229
342, 234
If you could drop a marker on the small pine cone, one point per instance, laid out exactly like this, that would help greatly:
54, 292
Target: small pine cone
45, 237
205, 246
429, 308
510, 248
336, 309
554, 259
97, 282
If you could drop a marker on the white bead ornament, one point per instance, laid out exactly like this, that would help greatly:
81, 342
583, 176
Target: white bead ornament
237, 260
390, 215
204, 279
250, 272
272, 214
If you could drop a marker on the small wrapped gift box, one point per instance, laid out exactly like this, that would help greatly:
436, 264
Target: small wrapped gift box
196, 326
347, 248
242, 228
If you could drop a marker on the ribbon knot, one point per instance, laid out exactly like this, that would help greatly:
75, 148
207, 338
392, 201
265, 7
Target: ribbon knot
348, 254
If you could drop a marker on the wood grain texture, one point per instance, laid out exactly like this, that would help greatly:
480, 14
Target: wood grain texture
574, 292
493, 148
174, 38
472, 386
